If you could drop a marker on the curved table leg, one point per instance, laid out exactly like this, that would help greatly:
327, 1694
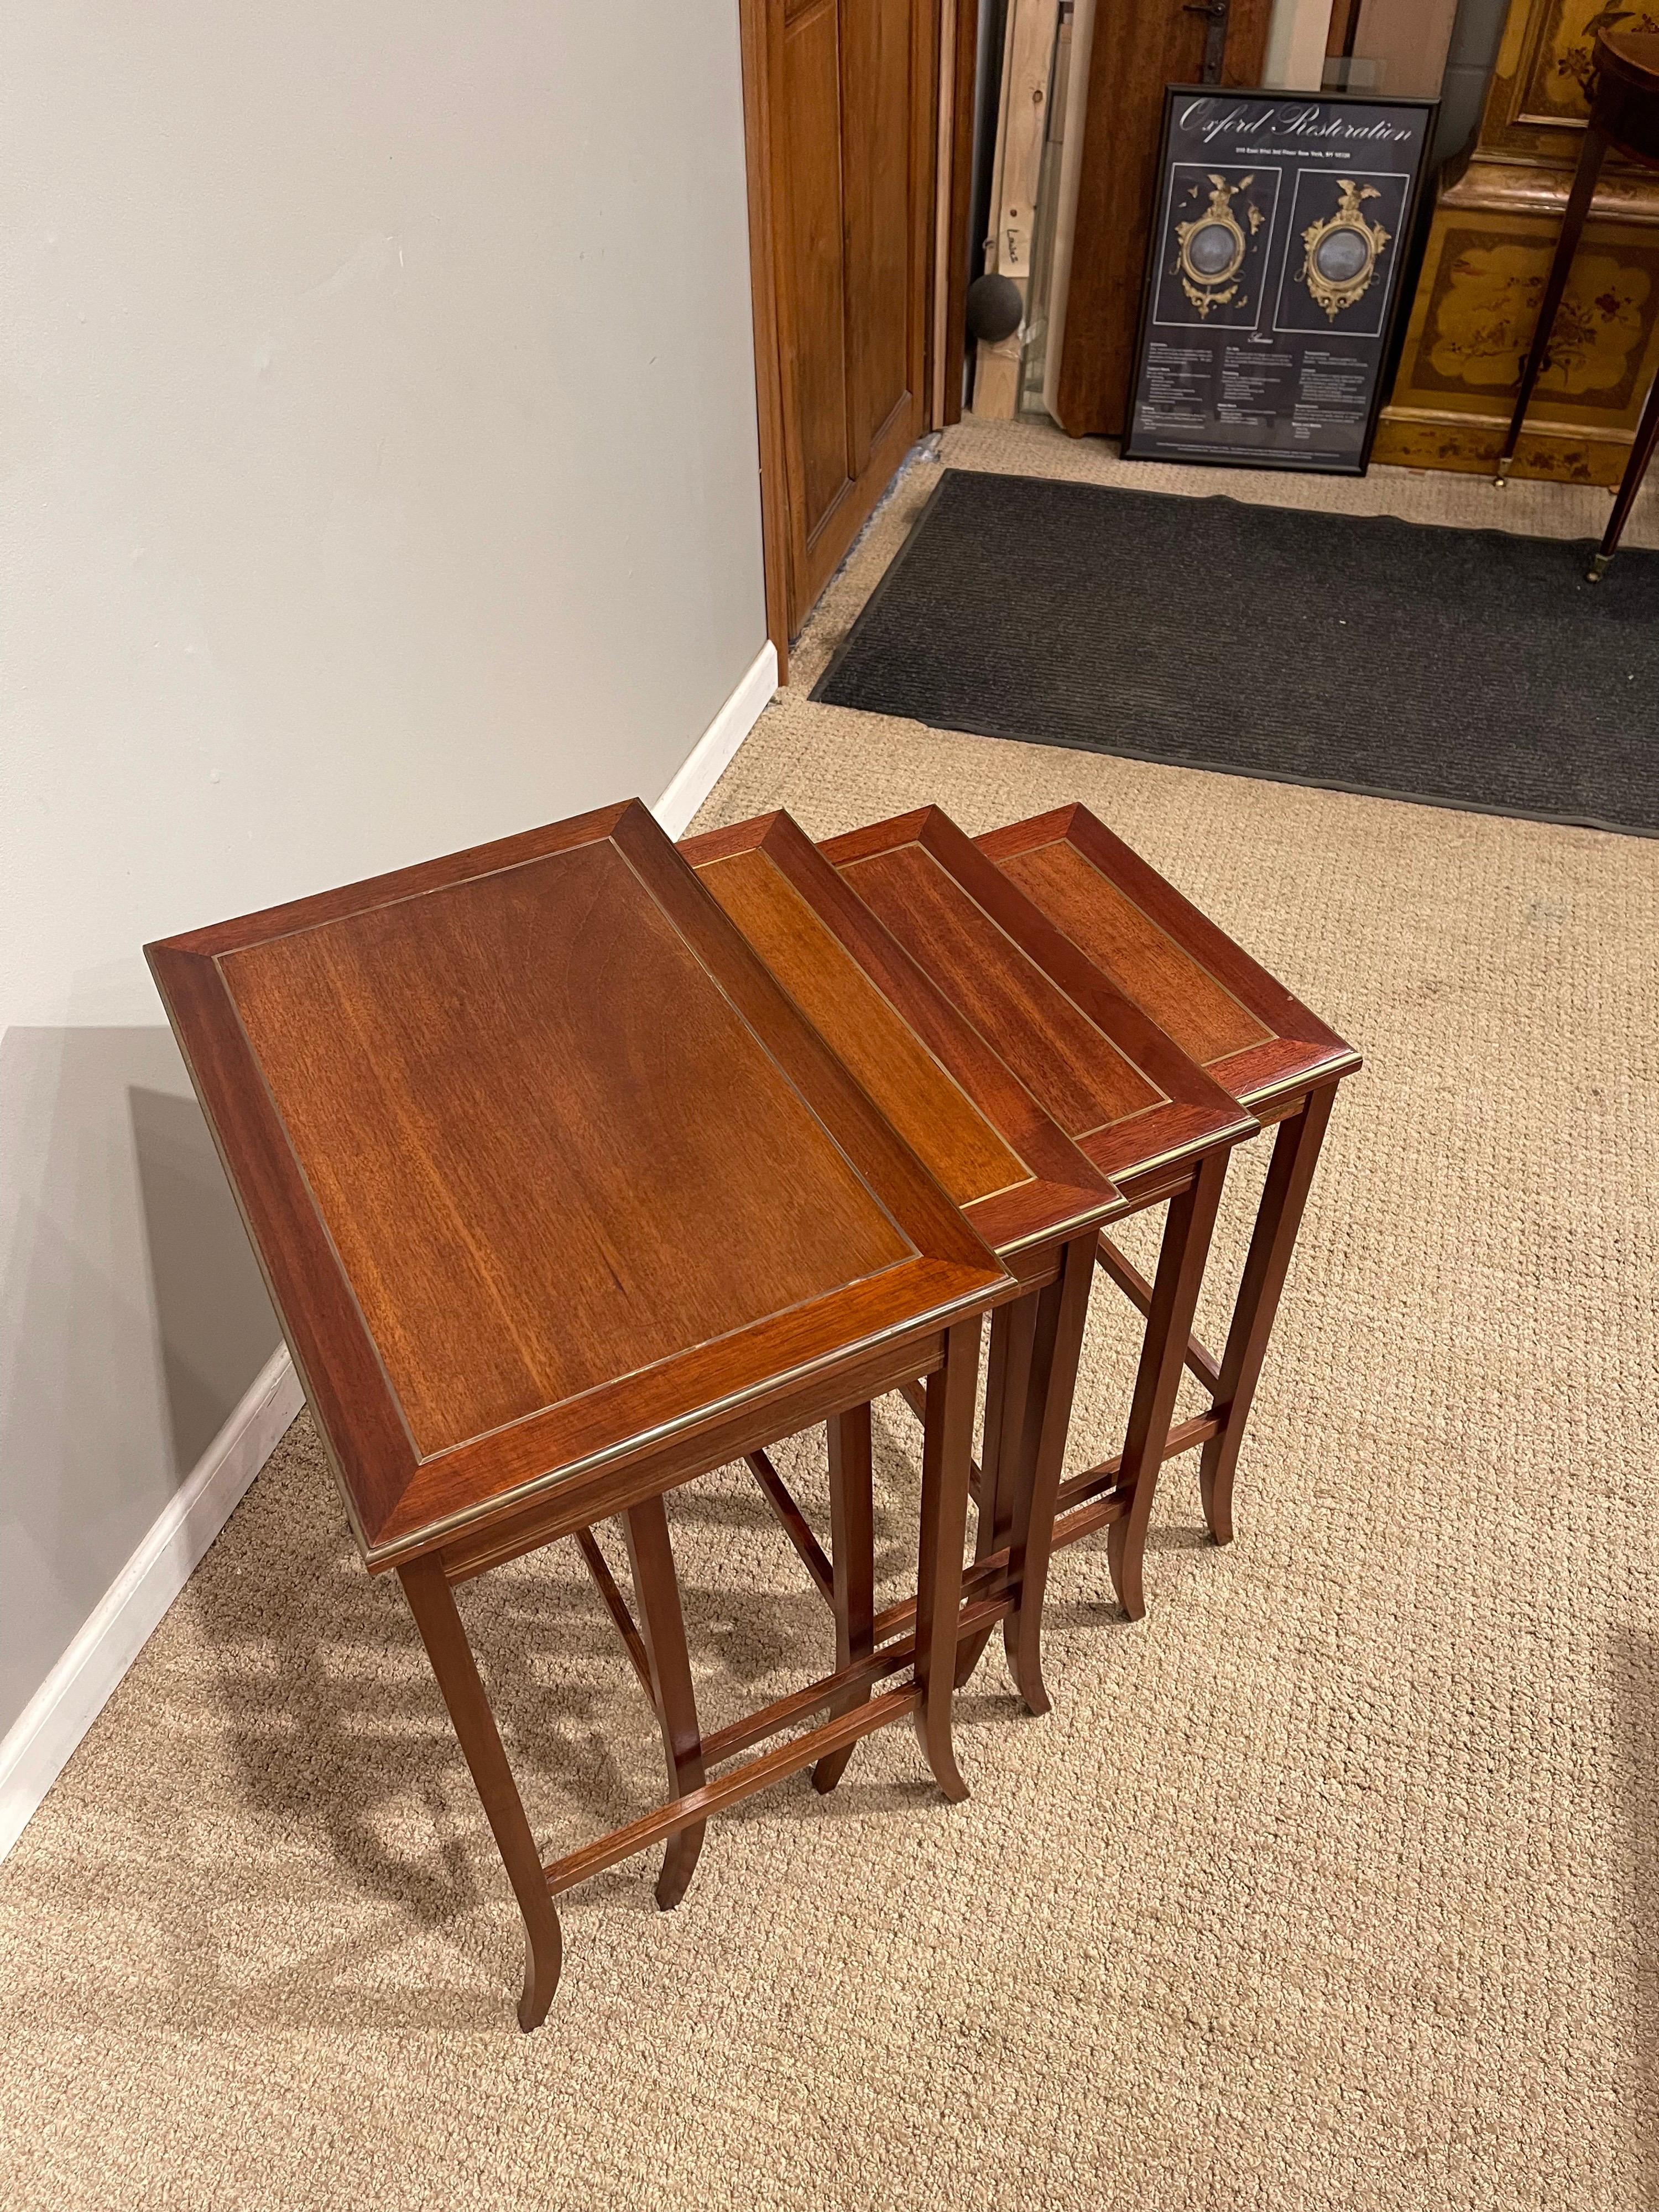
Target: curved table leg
662, 1624
1062, 1313
1174, 1299
946, 1450
432, 1604
1295, 1155
1007, 1394
852, 1564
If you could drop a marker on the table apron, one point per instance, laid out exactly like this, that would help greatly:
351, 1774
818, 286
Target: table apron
610, 1490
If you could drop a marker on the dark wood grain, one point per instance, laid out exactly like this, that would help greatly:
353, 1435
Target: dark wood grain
947, 1438
1200, 987
758, 159
1272, 1051
853, 101
507, 1128
960, 272
1117, 1085
1020, 1179
852, 1549
1266, 1263
1139, 47
458, 1123
561, 1201
1175, 1287
432, 1604
662, 1628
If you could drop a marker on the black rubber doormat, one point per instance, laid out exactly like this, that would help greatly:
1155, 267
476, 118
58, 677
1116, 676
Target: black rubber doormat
1467, 668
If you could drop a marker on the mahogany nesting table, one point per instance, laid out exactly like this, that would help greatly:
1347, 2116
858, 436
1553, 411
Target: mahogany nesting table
1128, 1093
1275, 1056
562, 1203
1030, 1192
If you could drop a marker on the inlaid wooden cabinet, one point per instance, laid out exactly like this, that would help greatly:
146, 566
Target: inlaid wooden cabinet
1488, 255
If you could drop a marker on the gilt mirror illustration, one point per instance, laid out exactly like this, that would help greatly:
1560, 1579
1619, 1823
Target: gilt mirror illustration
1272, 278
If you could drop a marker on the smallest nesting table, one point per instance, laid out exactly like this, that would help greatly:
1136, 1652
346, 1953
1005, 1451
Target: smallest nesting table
562, 1204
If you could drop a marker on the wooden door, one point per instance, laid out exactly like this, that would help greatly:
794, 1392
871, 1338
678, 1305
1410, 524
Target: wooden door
1139, 47
846, 129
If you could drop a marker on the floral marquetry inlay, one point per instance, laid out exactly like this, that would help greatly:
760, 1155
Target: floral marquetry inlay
1486, 303
1557, 86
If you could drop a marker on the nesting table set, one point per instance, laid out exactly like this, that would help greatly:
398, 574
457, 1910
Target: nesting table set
579, 1165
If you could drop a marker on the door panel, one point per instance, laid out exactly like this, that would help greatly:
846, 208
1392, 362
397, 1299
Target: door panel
1139, 47
854, 86
878, 189
810, 127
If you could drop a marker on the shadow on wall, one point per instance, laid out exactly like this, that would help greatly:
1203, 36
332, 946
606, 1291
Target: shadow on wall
212, 1345
132, 1320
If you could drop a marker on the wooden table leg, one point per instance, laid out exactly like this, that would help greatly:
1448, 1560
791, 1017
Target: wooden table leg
1174, 1299
1591, 155
1063, 1312
662, 1624
947, 1447
1641, 453
432, 1604
1007, 1392
852, 1564
1295, 1155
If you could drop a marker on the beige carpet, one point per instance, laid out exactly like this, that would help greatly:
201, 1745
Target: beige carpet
1335, 1883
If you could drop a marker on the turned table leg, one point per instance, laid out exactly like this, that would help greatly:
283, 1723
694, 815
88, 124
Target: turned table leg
432, 1604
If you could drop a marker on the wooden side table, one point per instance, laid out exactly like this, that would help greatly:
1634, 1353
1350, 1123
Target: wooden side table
1125, 1092
562, 1202
1623, 121
1275, 1056
1032, 1194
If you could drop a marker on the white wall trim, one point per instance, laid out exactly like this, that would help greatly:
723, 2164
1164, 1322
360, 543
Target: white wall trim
40, 1740
713, 750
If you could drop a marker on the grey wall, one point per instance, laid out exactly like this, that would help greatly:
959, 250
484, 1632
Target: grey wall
1474, 40
377, 415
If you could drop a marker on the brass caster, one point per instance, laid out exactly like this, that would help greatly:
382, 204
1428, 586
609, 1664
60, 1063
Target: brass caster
1598, 567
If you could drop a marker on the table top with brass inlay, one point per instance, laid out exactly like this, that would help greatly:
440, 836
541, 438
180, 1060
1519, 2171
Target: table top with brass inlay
1018, 1178
1202, 989
545, 1169
1126, 1093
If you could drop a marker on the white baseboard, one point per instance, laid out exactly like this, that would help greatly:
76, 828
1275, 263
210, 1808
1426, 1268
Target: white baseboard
38, 1743
710, 755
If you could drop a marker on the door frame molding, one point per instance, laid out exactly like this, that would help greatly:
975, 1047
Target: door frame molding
762, 287
948, 284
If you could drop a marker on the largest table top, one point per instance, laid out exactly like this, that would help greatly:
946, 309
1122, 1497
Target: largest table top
545, 1169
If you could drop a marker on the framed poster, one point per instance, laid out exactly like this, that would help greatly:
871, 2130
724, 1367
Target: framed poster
1281, 227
